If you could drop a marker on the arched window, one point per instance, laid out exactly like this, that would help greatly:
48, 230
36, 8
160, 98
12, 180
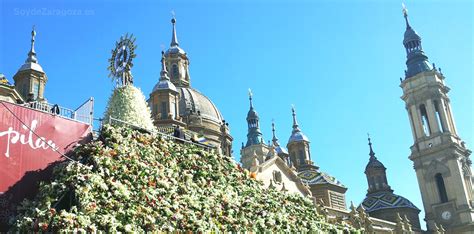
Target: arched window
438, 116
443, 196
175, 71
424, 120
164, 112
302, 159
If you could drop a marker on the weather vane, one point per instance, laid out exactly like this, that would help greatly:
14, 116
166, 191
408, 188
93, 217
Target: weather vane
120, 64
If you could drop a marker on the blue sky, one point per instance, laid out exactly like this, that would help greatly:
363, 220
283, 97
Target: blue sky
338, 62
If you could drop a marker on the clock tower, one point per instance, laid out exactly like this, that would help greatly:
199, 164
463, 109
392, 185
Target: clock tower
440, 157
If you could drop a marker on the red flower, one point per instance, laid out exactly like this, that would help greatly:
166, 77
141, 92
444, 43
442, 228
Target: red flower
44, 226
52, 211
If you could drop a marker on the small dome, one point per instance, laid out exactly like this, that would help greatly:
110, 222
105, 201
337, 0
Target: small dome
174, 50
386, 200
31, 66
314, 176
192, 101
298, 136
374, 163
164, 84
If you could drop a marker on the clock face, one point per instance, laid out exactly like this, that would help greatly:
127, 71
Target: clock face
446, 215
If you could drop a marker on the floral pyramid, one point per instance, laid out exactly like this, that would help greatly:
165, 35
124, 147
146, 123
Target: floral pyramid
131, 181
128, 104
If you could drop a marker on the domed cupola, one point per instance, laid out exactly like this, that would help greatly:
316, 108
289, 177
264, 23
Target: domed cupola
298, 147
30, 80
164, 83
296, 135
380, 201
254, 135
375, 172
417, 61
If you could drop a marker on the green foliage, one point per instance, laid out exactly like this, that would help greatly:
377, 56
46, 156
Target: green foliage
129, 181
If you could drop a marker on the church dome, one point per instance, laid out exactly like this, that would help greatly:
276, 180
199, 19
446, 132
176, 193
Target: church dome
374, 163
192, 101
298, 136
386, 200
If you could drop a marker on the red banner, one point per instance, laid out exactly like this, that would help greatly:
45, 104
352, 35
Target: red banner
30, 141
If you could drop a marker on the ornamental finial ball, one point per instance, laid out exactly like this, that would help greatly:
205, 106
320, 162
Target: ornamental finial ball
173, 20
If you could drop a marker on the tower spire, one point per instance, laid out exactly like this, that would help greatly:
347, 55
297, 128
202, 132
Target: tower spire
163, 73
371, 153
295, 122
174, 38
274, 139
32, 54
405, 14
250, 98
417, 61
254, 135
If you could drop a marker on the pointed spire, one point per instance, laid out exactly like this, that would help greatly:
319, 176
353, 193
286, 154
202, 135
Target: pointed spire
32, 54
250, 98
295, 122
405, 14
371, 153
174, 38
163, 73
274, 139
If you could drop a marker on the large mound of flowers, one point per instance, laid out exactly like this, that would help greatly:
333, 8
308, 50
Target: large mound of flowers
131, 181
128, 104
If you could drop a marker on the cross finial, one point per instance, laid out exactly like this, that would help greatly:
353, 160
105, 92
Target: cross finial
32, 53
405, 14
174, 38
371, 153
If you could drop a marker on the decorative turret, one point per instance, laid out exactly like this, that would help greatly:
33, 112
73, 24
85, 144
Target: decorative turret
417, 61
375, 172
254, 135
298, 146
281, 151
164, 99
30, 78
177, 60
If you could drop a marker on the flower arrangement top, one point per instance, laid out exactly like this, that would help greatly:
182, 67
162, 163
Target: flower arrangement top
120, 64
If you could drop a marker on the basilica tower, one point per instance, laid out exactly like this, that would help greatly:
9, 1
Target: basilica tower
30, 78
255, 149
177, 61
298, 147
440, 157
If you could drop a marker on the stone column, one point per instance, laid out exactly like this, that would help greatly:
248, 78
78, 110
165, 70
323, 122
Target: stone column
433, 121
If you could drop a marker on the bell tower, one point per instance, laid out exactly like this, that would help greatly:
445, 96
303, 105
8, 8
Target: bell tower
440, 157
30, 78
164, 100
298, 147
255, 148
